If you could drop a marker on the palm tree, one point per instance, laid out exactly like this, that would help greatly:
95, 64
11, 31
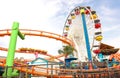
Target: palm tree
67, 50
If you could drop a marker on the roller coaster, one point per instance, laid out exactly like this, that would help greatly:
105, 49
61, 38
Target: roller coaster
82, 31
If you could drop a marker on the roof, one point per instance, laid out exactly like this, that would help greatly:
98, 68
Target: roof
105, 46
107, 49
41, 61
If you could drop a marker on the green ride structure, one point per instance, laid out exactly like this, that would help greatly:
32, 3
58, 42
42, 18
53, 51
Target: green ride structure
9, 72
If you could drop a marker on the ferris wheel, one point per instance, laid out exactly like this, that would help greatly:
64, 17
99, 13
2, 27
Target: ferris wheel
83, 27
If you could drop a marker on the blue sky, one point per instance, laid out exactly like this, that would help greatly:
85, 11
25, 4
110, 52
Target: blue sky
50, 15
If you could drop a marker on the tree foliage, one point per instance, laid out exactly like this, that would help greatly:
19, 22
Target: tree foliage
67, 50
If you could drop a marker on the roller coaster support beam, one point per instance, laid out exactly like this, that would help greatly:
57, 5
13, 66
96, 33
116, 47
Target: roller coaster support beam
11, 50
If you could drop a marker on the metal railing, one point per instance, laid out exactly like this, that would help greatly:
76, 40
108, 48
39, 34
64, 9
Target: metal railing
75, 70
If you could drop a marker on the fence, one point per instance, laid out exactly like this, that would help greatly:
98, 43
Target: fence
75, 70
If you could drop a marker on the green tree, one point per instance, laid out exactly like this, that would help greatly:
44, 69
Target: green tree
67, 50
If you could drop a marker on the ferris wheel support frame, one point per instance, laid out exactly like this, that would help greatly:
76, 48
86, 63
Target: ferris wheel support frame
86, 36
87, 40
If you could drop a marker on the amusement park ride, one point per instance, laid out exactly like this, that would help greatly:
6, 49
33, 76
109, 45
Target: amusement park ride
82, 30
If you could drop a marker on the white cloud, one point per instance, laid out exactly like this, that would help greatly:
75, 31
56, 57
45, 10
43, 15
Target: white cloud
37, 13
105, 10
107, 14
111, 28
28, 12
113, 41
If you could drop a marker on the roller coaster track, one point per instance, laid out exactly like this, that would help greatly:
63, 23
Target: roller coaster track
38, 33
105, 72
7, 32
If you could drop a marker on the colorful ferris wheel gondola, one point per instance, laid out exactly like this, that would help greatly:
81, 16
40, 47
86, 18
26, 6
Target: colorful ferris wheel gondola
83, 27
